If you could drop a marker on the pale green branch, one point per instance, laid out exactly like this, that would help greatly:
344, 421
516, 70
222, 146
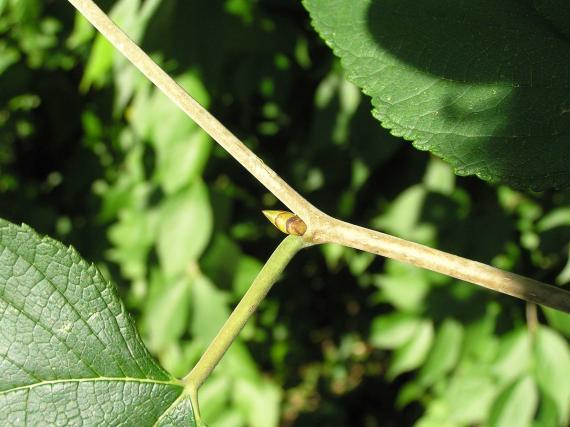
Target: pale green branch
245, 309
268, 275
322, 228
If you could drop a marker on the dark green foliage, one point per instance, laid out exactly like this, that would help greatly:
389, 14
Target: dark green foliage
482, 85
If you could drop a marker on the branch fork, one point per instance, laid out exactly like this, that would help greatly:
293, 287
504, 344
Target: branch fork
314, 226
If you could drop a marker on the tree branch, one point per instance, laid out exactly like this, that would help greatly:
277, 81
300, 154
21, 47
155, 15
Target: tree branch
268, 275
442, 262
322, 228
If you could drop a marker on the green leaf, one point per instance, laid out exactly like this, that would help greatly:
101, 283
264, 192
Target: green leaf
552, 370
439, 177
247, 270
554, 232
444, 354
468, 397
185, 229
97, 70
547, 413
358, 262
166, 317
221, 259
558, 320
230, 418
82, 32
259, 400
412, 354
239, 363
210, 309
69, 352
393, 330
403, 217
100, 62
8, 56
516, 405
26, 11
563, 277
129, 191
133, 236
483, 86
480, 343
513, 355
131, 18
216, 395
404, 286
182, 148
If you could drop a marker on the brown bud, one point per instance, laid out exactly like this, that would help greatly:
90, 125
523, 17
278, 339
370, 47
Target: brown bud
287, 222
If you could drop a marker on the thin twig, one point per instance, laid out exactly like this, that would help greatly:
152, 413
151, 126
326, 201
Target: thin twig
532, 318
268, 275
321, 227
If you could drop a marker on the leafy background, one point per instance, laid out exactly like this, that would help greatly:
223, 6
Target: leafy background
93, 155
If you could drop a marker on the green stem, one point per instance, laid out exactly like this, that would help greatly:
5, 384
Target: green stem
268, 275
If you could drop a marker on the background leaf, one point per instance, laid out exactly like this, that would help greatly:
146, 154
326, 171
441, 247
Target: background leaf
459, 80
184, 230
444, 354
413, 353
516, 405
552, 367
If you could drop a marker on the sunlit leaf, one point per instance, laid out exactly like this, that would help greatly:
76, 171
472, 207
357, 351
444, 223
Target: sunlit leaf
513, 355
210, 309
168, 310
468, 397
181, 147
392, 330
516, 405
403, 285
558, 320
552, 370
444, 354
259, 401
185, 226
413, 353
132, 17
69, 352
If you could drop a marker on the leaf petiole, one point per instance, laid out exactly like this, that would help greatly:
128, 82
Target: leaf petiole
268, 275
